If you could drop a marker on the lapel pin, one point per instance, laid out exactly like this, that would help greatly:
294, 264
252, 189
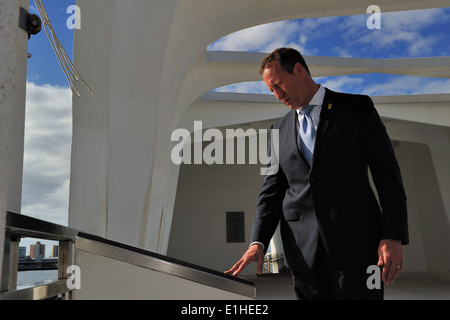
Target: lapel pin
329, 106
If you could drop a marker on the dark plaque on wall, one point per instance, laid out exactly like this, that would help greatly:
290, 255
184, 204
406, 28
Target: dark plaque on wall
235, 227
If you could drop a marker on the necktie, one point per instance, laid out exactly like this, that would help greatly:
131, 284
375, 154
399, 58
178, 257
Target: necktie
310, 231
307, 134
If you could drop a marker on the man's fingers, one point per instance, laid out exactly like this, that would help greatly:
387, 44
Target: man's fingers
391, 272
394, 271
241, 267
254, 253
380, 260
388, 272
235, 267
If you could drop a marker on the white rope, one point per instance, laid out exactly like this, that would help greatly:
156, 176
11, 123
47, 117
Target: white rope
67, 66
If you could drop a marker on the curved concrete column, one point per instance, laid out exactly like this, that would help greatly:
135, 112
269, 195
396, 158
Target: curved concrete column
115, 140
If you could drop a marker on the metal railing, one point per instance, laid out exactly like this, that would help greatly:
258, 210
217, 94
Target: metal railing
19, 226
165, 265
71, 240
270, 262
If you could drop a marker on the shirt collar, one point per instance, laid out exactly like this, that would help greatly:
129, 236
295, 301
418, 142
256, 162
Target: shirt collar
317, 100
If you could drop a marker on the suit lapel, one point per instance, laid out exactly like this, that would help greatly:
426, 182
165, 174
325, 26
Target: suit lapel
292, 131
326, 116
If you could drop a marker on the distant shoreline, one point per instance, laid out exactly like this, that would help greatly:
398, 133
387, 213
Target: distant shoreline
38, 265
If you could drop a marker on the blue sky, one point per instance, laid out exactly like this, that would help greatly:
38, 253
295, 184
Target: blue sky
43, 67
407, 34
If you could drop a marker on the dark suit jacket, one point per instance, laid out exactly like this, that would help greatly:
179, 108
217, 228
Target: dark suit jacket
350, 139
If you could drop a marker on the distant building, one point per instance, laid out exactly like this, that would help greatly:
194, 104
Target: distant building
22, 253
37, 251
54, 251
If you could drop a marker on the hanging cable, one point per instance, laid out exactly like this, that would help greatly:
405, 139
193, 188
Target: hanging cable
67, 66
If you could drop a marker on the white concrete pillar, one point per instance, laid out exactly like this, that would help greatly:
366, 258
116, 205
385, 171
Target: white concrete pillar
116, 180
13, 65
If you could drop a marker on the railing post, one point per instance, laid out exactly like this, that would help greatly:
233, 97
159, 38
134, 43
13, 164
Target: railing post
10, 262
13, 262
65, 258
4, 285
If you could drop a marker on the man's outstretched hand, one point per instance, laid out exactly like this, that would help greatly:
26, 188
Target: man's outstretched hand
254, 253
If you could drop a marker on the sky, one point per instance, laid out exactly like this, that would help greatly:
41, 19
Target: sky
48, 126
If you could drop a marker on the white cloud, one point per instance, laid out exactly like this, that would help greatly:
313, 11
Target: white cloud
343, 83
48, 132
402, 34
405, 85
263, 38
246, 87
412, 20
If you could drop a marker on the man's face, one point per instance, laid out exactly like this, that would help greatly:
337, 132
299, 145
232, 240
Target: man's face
286, 86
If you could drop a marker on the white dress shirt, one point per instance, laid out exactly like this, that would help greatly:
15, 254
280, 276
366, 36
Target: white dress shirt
317, 102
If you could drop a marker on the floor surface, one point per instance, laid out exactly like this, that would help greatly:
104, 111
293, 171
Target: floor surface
408, 286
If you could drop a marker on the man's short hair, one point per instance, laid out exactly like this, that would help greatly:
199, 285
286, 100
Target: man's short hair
287, 57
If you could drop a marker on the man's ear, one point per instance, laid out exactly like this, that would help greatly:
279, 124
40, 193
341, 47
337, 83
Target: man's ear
298, 69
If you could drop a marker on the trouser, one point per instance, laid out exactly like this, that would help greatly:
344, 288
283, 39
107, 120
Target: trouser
325, 282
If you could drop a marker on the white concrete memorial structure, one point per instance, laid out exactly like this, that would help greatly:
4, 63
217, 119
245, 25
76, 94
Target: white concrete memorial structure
147, 63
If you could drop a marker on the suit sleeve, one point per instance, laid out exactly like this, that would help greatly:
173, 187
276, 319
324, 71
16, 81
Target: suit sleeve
385, 173
269, 204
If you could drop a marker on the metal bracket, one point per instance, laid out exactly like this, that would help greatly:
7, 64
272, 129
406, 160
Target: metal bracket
31, 23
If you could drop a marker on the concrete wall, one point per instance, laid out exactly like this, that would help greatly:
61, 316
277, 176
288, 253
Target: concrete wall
429, 227
204, 194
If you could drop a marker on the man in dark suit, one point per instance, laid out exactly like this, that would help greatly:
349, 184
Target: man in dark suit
332, 226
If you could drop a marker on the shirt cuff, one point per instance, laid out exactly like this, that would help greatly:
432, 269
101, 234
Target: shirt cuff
256, 242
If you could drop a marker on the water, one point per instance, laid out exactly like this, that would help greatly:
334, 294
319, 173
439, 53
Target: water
30, 276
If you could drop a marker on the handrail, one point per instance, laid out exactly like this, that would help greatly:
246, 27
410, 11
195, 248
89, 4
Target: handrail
18, 225
23, 225
158, 262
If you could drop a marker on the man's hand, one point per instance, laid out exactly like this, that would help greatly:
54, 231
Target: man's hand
254, 253
390, 257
